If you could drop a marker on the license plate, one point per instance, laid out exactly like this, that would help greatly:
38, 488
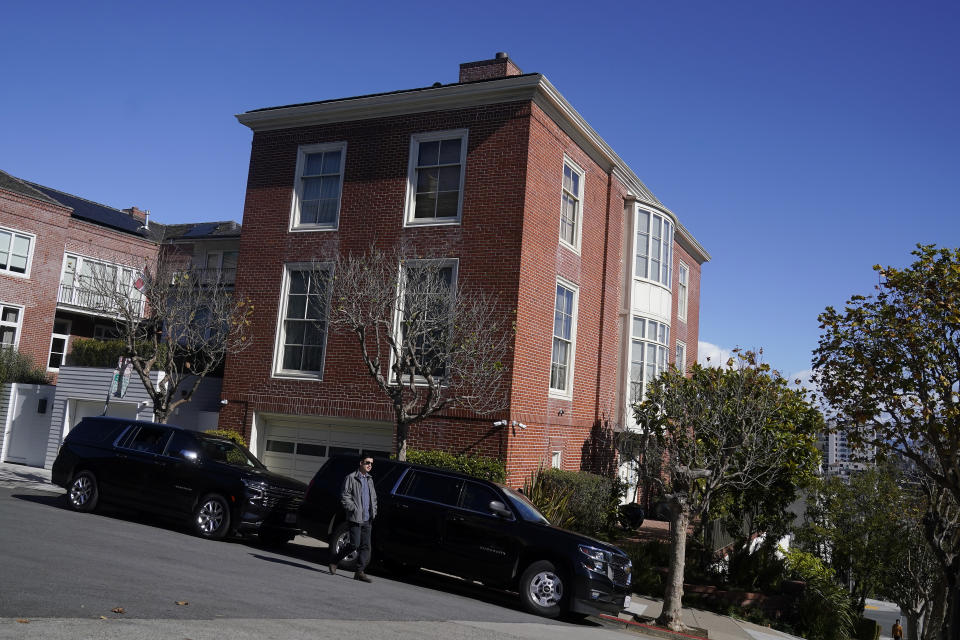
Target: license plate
626, 601
291, 518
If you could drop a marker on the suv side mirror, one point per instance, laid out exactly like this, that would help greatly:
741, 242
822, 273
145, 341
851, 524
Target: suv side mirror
500, 509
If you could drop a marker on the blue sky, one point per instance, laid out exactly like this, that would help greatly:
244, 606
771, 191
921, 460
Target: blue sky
800, 143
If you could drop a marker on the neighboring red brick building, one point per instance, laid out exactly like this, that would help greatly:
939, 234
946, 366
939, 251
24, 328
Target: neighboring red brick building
46, 239
499, 173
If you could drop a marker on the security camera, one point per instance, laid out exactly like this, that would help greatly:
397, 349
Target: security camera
500, 423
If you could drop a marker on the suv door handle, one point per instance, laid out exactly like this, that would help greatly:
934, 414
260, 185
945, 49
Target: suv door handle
456, 518
402, 505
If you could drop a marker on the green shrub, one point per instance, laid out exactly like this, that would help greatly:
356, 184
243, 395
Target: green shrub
476, 466
19, 367
866, 629
550, 499
229, 435
824, 611
594, 500
89, 352
649, 559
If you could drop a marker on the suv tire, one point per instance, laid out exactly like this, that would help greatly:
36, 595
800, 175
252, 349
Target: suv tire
84, 493
542, 589
211, 518
339, 539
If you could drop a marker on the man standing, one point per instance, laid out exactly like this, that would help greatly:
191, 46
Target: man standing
897, 630
359, 500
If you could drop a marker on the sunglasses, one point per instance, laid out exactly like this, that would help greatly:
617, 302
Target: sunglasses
367, 462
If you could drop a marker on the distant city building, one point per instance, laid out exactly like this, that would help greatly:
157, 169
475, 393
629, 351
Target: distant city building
839, 458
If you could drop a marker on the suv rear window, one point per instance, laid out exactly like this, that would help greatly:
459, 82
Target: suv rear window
97, 431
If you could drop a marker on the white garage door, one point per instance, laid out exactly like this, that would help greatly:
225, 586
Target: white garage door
296, 447
84, 408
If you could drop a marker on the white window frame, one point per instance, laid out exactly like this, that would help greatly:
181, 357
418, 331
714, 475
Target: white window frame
556, 459
680, 356
410, 202
454, 264
683, 279
32, 239
661, 348
578, 216
18, 325
302, 152
66, 342
280, 335
219, 268
567, 392
643, 239
77, 288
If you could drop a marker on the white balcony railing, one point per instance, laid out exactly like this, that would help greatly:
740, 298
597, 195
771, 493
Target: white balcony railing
95, 301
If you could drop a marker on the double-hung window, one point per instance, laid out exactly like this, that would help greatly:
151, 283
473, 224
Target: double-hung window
319, 183
427, 296
649, 353
654, 248
564, 339
221, 266
680, 362
302, 331
571, 205
11, 318
16, 249
435, 179
683, 276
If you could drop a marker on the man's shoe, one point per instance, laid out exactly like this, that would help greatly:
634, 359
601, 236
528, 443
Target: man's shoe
333, 569
361, 576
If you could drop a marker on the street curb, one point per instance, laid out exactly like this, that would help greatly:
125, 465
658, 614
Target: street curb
643, 624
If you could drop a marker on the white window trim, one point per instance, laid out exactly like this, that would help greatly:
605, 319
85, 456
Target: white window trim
681, 364
565, 394
409, 202
277, 369
78, 268
66, 343
668, 259
454, 263
556, 459
33, 249
683, 291
18, 324
578, 228
302, 151
645, 342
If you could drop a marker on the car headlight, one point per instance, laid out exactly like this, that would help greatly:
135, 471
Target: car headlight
594, 559
255, 490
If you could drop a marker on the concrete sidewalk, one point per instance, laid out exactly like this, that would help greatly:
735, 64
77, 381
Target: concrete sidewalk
718, 627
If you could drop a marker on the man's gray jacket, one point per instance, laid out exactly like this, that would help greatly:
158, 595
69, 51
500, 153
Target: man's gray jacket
352, 501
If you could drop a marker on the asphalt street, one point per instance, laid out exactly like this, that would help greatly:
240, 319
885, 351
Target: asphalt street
110, 575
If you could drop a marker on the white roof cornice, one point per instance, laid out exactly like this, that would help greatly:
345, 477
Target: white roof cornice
530, 87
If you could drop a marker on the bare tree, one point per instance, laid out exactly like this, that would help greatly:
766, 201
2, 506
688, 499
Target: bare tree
726, 429
428, 340
172, 317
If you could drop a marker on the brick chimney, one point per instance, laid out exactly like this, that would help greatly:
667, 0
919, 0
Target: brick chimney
137, 214
500, 67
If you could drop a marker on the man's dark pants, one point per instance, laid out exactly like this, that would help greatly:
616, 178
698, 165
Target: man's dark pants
359, 542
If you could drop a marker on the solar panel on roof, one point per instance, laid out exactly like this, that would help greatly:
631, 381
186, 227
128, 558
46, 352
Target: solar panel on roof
202, 229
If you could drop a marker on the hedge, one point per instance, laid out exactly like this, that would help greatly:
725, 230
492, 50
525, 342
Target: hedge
593, 500
89, 352
19, 367
229, 435
476, 466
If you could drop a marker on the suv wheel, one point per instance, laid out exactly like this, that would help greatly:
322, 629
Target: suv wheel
341, 540
542, 589
84, 492
211, 519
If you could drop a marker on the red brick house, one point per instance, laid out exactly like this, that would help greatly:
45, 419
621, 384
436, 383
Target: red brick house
499, 174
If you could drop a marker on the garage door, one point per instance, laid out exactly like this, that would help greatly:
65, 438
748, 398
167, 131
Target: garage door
296, 447
84, 408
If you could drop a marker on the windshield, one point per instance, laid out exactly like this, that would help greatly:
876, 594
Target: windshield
524, 507
227, 452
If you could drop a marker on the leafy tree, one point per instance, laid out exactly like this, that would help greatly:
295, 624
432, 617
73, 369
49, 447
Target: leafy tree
429, 342
889, 367
19, 367
173, 317
721, 430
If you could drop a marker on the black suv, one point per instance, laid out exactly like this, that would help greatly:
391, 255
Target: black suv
475, 529
220, 486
